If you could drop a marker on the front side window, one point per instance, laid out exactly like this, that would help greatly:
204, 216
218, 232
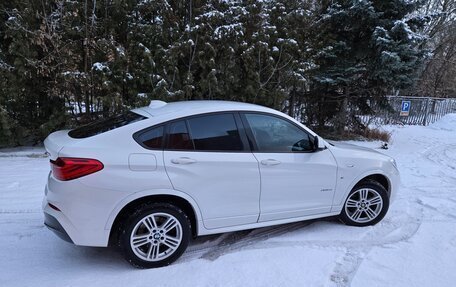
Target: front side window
273, 134
215, 133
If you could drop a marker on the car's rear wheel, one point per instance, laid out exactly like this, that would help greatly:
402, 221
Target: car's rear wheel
155, 235
366, 204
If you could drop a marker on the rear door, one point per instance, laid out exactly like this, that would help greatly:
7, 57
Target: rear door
295, 180
207, 157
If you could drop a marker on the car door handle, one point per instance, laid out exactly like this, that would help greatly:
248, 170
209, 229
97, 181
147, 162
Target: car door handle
183, 160
270, 162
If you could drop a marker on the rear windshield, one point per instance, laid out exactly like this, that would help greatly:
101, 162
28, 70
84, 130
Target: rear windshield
104, 125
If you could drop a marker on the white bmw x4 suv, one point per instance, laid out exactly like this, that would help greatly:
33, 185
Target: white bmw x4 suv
151, 179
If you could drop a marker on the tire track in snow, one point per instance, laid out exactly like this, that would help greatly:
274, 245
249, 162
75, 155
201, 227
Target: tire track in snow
250, 239
437, 210
356, 251
390, 232
240, 240
444, 156
29, 155
19, 211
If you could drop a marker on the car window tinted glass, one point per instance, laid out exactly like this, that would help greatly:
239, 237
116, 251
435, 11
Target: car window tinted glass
178, 137
152, 138
104, 125
215, 132
273, 134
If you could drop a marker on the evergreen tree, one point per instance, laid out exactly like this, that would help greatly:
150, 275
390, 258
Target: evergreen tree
363, 49
68, 62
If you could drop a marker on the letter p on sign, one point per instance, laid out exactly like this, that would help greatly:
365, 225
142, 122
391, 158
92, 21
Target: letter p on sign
405, 108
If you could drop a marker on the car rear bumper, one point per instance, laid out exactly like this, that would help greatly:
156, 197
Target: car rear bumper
54, 225
75, 214
78, 234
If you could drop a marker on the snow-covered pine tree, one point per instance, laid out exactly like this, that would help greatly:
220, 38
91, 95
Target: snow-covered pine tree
94, 58
363, 48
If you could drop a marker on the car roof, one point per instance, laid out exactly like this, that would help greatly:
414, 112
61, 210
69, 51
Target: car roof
184, 108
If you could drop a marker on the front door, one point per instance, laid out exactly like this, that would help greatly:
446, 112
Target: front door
295, 181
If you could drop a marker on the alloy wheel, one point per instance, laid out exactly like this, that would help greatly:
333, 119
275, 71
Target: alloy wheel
156, 237
364, 205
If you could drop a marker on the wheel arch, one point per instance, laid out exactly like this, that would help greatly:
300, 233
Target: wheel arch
388, 180
183, 202
382, 179
372, 175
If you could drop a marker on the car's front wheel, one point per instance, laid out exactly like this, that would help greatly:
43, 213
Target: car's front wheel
155, 235
366, 204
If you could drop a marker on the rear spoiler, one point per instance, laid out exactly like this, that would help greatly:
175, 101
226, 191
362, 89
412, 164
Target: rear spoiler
56, 141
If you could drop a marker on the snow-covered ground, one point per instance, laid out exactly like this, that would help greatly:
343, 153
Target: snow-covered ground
415, 245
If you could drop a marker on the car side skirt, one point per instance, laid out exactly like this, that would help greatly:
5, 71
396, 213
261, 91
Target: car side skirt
204, 231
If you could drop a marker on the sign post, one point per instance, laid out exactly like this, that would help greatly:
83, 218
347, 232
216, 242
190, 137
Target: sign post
405, 108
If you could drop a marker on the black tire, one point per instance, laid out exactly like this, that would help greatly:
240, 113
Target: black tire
348, 212
132, 224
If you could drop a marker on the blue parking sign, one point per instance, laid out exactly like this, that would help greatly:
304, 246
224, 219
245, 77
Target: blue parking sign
405, 108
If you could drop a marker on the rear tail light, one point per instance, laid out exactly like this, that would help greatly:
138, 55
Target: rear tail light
67, 168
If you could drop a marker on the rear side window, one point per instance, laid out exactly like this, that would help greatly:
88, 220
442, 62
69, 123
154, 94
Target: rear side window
178, 137
152, 138
104, 125
215, 133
